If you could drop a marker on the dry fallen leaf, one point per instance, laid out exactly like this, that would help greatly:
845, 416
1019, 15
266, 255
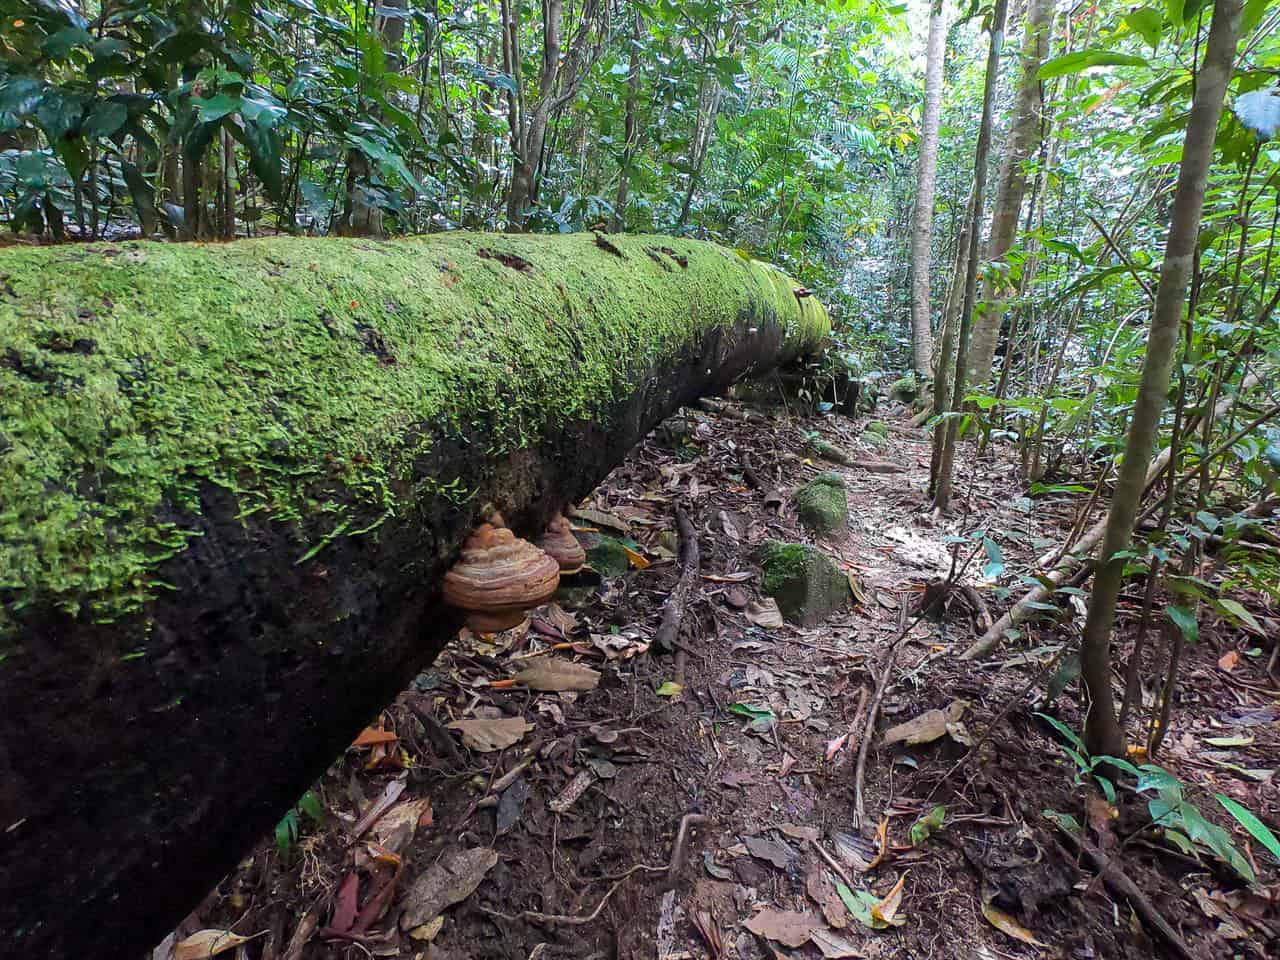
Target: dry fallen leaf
208, 943
1228, 661
779, 854
428, 931
396, 828
552, 674
370, 736
787, 927
450, 880
765, 613
823, 893
929, 726
1007, 925
834, 746
575, 789
638, 560
832, 946
886, 910
488, 735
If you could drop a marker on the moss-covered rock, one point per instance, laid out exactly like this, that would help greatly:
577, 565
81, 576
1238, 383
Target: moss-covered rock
904, 389
805, 582
823, 505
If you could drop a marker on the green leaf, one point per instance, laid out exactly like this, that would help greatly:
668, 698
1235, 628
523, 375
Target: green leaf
1081, 60
106, 119
1185, 620
1148, 23
57, 45
669, 689
213, 109
751, 711
1234, 609
287, 832
995, 566
1259, 830
927, 825
311, 806
1066, 731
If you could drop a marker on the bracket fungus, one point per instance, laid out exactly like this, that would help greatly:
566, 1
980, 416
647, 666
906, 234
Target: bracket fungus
560, 543
498, 578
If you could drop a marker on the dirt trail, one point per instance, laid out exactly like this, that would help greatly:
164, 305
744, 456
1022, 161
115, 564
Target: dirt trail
637, 820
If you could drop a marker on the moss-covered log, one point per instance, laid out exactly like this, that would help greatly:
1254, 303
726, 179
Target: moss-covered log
230, 480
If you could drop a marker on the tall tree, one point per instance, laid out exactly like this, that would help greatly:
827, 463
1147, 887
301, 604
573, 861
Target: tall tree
1102, 731
1025, 133
926, 183
560, 78
944, 446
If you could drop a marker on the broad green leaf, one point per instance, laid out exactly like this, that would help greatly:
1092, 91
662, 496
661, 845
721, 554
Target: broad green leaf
1148, 23
1234, 609
1082, 60
1185, 620
106, 119
214, 108
1259, 830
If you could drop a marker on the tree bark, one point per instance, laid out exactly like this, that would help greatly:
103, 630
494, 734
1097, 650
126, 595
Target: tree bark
1102, 733
226, 517
926, 184
630, 128
944, 446
1024, 134
559, 80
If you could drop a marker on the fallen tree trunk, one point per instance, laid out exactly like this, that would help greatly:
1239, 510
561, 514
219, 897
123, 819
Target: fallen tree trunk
232, 478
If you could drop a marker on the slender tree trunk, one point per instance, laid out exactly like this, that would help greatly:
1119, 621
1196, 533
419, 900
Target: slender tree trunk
944, 362
945, 442
631, 132
1024, 132
926, 184
1102, 733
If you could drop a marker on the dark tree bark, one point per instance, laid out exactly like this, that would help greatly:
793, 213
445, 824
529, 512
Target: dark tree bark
321, 422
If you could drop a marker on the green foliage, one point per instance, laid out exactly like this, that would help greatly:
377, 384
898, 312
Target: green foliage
289, 829
1181, 821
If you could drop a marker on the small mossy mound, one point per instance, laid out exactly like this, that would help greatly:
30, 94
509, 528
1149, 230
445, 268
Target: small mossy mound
876, 433
823, 506
804, 581
904, 389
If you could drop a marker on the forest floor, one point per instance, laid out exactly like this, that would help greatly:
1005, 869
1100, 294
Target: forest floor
716, 818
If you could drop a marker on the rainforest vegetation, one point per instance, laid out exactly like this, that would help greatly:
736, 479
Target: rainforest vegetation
1044, 233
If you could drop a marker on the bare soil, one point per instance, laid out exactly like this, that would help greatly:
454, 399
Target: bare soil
755, 752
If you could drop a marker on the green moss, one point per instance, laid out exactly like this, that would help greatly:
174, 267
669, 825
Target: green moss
804, 581
904, 389
296, 374
822, 505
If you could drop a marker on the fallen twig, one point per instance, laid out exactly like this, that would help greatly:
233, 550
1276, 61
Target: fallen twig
676, 864
1118, 883
839, 871
668, 635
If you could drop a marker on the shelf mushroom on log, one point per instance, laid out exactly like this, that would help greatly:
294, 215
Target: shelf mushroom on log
560, 543
232, 479
498, 578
